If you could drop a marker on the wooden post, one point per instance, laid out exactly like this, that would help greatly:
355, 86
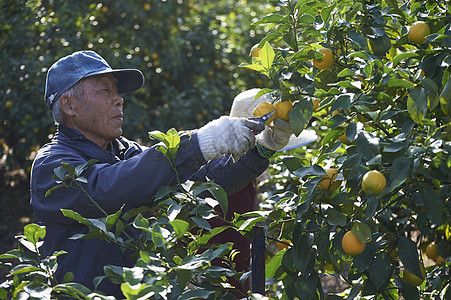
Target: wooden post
258, 260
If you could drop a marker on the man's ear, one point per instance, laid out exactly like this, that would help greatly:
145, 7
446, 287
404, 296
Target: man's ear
67, 105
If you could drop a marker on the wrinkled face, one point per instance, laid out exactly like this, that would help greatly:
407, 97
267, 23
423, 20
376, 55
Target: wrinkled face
98, 114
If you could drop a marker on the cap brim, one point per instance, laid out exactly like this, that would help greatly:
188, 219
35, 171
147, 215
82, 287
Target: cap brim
305, 137
128, 80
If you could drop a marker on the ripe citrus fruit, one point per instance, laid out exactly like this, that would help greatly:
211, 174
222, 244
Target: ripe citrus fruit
330, 183
439, 260
283, 246
8, 104
373, 182
255, 51
283, 108
418, 32
431, 250
316, 105
326, 61
264, 108
412, 279
351, 244
344, 139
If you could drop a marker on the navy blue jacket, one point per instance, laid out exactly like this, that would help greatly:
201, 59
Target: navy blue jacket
128, 174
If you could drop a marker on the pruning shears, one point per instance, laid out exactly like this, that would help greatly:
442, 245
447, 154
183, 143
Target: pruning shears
262, 119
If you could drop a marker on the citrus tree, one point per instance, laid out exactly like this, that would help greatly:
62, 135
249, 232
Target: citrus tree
363, 202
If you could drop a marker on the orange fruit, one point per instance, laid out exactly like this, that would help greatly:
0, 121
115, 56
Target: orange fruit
439, 259
412, 279
330, 183
255, 51
431, 250
283, 108
316, 105
418, 32
373, 183
264, 108
283, 246
326, 61
351, 244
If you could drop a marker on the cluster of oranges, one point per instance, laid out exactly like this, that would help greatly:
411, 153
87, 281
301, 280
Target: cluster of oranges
282, 109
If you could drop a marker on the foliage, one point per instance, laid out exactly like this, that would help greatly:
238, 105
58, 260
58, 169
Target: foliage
187, 50
173, 256
391, 99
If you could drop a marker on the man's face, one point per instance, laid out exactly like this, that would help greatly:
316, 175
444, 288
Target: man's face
98, 115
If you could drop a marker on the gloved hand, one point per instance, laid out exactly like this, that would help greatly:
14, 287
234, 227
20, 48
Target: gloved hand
276, 135
227, 135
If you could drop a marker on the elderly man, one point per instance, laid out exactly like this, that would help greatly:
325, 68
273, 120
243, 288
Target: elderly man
84, 95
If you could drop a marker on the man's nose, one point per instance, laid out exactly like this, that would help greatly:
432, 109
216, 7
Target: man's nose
118, 100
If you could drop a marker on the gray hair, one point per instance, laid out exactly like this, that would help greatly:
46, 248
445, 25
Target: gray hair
75, 91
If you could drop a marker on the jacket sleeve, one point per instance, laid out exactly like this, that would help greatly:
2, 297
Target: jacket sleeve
132, 182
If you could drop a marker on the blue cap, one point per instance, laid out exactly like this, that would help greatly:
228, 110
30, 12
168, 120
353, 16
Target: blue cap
81, 64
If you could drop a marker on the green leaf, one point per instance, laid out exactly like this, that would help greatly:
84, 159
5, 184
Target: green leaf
335, 218
314, 170
408, 253
432, 92
272, 18
201, 223
180, 227
380, 270
306, 19
399, 83
263, 92
301, 251
433, 205
53, 189
24, 268
400, 170
141, 223
300, 116
207, 236
367, 145
417, 104
267, 55
255, 67
346, 72
112, 219
75, 216
273, 264
16, 254
403, 56
60, 172
216, 190
138, 291
362, 231
195, 294
445, 98
34, 232
69, 168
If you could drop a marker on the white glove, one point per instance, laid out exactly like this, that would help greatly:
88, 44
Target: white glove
227, 135
244, 104
276, 135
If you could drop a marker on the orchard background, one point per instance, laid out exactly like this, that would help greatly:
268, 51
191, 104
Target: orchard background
384, 104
